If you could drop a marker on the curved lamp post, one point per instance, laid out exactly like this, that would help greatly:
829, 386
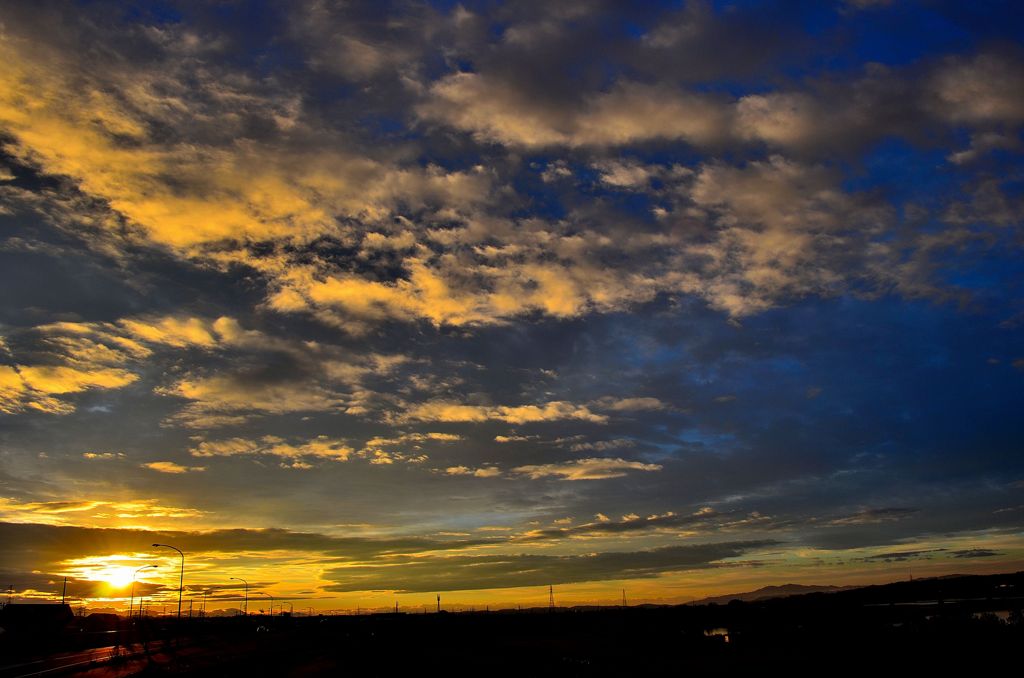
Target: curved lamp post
246, 593
271, 602
131, 604
181, 579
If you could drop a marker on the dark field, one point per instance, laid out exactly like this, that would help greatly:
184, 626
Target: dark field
964, 623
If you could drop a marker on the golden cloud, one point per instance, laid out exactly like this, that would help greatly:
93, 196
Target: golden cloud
585, 469
482, 472
95, 513
321, 447
98, 133
83, 356
521, 414
171, 467
228, 399
32, 387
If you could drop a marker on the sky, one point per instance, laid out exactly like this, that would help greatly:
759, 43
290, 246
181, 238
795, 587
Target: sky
367, 302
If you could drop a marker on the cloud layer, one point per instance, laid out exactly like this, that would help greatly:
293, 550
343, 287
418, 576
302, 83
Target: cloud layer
516, 294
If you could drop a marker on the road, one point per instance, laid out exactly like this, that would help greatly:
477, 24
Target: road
60, 663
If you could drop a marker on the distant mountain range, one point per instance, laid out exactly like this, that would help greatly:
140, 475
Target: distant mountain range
766, 592
952, 587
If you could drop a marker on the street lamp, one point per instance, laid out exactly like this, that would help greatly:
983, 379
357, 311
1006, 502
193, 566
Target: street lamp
246, 593
131, 603
181, 579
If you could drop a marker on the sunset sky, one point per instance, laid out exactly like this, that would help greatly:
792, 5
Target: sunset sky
364, 302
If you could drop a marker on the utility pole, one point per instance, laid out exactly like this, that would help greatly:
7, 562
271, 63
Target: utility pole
623, 598
551, 597
64, 593
438, 602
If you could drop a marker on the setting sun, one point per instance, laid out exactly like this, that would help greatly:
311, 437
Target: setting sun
115, 571
117, 577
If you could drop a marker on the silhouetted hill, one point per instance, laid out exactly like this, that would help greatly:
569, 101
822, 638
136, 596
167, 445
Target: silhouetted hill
928, 589
949, 588
767, 592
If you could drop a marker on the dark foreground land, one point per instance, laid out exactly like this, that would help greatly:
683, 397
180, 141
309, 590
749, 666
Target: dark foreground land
960, 623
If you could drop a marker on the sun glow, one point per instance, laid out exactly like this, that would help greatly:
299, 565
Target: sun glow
116, 571
117, 577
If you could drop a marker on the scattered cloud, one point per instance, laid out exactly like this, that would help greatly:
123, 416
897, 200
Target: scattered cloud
321, 448
975, 553
171, 467
875, 516
603, 445
38, 515
585, 469
234, 398
103, 455
630, 404
448, 411
522, 242
503, 571
903, 556
483, 472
